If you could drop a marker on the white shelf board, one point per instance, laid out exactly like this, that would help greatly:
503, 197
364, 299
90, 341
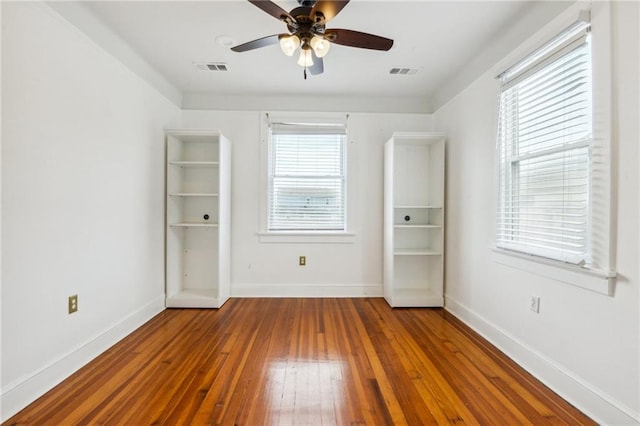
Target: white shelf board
418, 226
193, 299
194, 163
194, 225
192, 194
416, 252
416, 298
417, 207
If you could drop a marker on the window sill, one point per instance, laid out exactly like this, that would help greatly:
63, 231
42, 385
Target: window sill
307, 237
595, 280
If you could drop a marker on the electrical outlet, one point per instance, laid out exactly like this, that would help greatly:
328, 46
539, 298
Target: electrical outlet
73, 303
302, 260
534, 304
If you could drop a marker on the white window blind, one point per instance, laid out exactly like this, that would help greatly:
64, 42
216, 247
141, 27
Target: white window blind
544, 151
306, 177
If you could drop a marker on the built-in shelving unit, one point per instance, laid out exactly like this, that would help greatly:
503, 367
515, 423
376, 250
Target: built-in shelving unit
198, 219
414, 220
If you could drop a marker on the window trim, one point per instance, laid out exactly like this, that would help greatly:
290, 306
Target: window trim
602, 277
348, 236
523, 157
596, 280
280, 138
302, 237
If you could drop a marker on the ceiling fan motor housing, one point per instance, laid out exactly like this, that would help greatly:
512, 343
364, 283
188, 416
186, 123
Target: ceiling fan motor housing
304, 26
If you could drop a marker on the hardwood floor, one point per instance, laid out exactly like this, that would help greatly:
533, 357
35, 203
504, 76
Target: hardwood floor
301, 361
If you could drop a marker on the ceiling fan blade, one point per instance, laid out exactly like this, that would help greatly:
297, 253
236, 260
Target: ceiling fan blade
272, 9
358, 39
258, 43
318, 65
328, 8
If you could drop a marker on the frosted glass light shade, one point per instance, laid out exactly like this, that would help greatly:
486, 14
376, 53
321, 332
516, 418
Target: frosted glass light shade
289, 44
320, 46
306, 59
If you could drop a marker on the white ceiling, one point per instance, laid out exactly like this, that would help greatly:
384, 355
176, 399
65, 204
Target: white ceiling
441, 39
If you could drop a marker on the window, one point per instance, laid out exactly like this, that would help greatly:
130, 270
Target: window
306, 174
545, 138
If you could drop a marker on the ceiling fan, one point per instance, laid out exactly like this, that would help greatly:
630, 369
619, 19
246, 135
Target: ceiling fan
306, 26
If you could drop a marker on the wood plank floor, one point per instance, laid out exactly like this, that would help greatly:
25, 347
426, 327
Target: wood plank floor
301, 362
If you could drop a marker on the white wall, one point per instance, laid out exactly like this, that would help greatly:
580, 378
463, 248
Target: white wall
82, 200
583, 344
342, 269
82, 213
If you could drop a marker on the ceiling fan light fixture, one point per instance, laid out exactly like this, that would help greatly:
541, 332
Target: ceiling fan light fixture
289, 44
320, 46
306, 59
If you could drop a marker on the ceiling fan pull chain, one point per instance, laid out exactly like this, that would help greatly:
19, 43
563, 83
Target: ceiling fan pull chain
305, 73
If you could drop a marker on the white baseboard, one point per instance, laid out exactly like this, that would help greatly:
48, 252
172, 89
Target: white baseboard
306, 290
19, 394
595, 403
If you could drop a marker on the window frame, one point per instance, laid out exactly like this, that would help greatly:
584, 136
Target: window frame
528, 163
306, 129
600, 275
347, 236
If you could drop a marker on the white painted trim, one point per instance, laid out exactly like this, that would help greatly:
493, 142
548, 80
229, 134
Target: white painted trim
346, 236
307, 290
17, 395
594, 402
318, 237
591, 279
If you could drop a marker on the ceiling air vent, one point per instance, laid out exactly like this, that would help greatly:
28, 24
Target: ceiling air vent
403, 71
211, 66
